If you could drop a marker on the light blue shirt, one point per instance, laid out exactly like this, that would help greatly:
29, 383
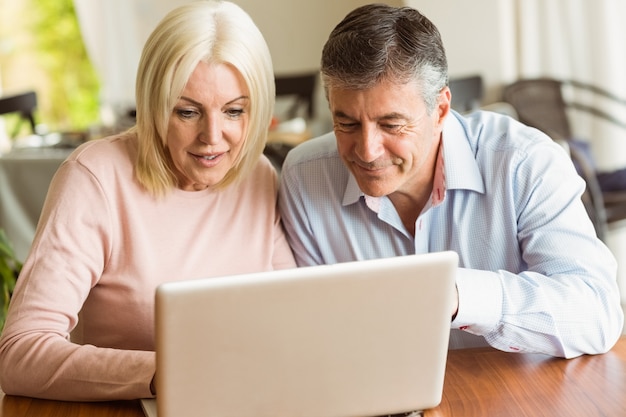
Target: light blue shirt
532, 276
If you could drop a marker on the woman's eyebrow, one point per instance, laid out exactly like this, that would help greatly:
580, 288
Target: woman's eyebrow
197, 103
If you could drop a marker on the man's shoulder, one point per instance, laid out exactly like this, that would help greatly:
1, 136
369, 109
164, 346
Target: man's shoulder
502, 142
487, 129
315, 165
322, 149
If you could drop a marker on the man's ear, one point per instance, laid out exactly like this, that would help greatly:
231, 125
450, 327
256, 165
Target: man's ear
443, 105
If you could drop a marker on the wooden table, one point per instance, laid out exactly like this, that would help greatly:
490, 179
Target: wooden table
479, 382
485, 382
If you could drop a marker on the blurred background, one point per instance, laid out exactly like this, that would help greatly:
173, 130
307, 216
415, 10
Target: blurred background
41, 49
80, 56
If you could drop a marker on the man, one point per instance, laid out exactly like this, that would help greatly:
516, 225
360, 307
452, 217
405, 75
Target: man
402, 173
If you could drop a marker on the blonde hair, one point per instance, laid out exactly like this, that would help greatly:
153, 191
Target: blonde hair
212, 31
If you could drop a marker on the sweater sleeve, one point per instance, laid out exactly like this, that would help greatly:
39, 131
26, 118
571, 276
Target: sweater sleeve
70, 249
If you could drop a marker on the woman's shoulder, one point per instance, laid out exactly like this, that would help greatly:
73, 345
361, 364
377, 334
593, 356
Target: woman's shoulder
103, 153
96, 149
261, 178
262, 169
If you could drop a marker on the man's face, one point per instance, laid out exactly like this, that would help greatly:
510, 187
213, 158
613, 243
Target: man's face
386, 137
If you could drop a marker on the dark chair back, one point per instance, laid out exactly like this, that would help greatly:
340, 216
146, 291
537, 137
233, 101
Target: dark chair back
592, 198
25, 104
302, 88
467, 93
539, 103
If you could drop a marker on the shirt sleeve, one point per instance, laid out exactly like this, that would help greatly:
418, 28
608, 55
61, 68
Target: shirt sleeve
473, 286
295, 220
565, 302
282, 256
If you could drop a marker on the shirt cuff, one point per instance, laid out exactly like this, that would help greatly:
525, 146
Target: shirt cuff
480, 301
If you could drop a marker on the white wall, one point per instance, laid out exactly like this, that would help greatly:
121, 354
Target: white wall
295, 31
479, 37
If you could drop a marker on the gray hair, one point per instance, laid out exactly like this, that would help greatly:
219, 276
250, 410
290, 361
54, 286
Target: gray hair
378, 42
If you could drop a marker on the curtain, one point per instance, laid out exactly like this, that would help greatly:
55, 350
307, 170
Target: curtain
114, 32
580, 41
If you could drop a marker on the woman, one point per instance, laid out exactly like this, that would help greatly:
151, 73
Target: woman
184, 194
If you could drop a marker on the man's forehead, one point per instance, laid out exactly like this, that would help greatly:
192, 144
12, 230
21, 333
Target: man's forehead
383, 102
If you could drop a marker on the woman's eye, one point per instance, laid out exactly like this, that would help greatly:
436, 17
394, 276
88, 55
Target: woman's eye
234, 113
186, 113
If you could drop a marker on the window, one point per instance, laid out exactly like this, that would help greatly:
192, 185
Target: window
41, 49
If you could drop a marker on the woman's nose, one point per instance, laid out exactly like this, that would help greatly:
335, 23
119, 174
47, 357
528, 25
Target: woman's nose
211, 130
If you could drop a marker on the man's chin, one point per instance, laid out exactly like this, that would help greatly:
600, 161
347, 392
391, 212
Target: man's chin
374, 190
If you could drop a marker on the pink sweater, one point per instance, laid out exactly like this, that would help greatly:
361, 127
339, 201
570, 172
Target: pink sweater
102, 246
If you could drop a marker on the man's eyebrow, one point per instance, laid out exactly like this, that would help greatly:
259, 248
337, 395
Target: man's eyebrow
393, 116
341, 114
389, 116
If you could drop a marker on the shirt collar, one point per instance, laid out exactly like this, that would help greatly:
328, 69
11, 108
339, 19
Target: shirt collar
461, 169
352, 193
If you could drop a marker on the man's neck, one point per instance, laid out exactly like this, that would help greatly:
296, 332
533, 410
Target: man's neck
410, 202
410, 205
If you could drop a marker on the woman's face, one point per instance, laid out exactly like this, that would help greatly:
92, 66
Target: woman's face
207, 126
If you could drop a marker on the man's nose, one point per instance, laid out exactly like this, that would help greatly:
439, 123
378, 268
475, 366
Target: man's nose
369, 145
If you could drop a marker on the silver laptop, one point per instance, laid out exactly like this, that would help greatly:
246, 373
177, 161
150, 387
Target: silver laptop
362, 339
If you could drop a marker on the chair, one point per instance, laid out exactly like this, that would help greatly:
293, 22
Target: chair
592, 198
25, 104
540, 103
467, 93
302, 88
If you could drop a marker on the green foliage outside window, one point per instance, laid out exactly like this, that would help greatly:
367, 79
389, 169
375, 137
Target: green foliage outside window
74, 86
10, 268
66, 83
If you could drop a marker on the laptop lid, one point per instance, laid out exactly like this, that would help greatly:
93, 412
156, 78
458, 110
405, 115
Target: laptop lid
353, 339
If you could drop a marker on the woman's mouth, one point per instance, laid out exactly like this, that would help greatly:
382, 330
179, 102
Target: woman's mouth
209, 160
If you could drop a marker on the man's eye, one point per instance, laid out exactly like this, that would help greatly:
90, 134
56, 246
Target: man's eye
345, 125
392, 127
